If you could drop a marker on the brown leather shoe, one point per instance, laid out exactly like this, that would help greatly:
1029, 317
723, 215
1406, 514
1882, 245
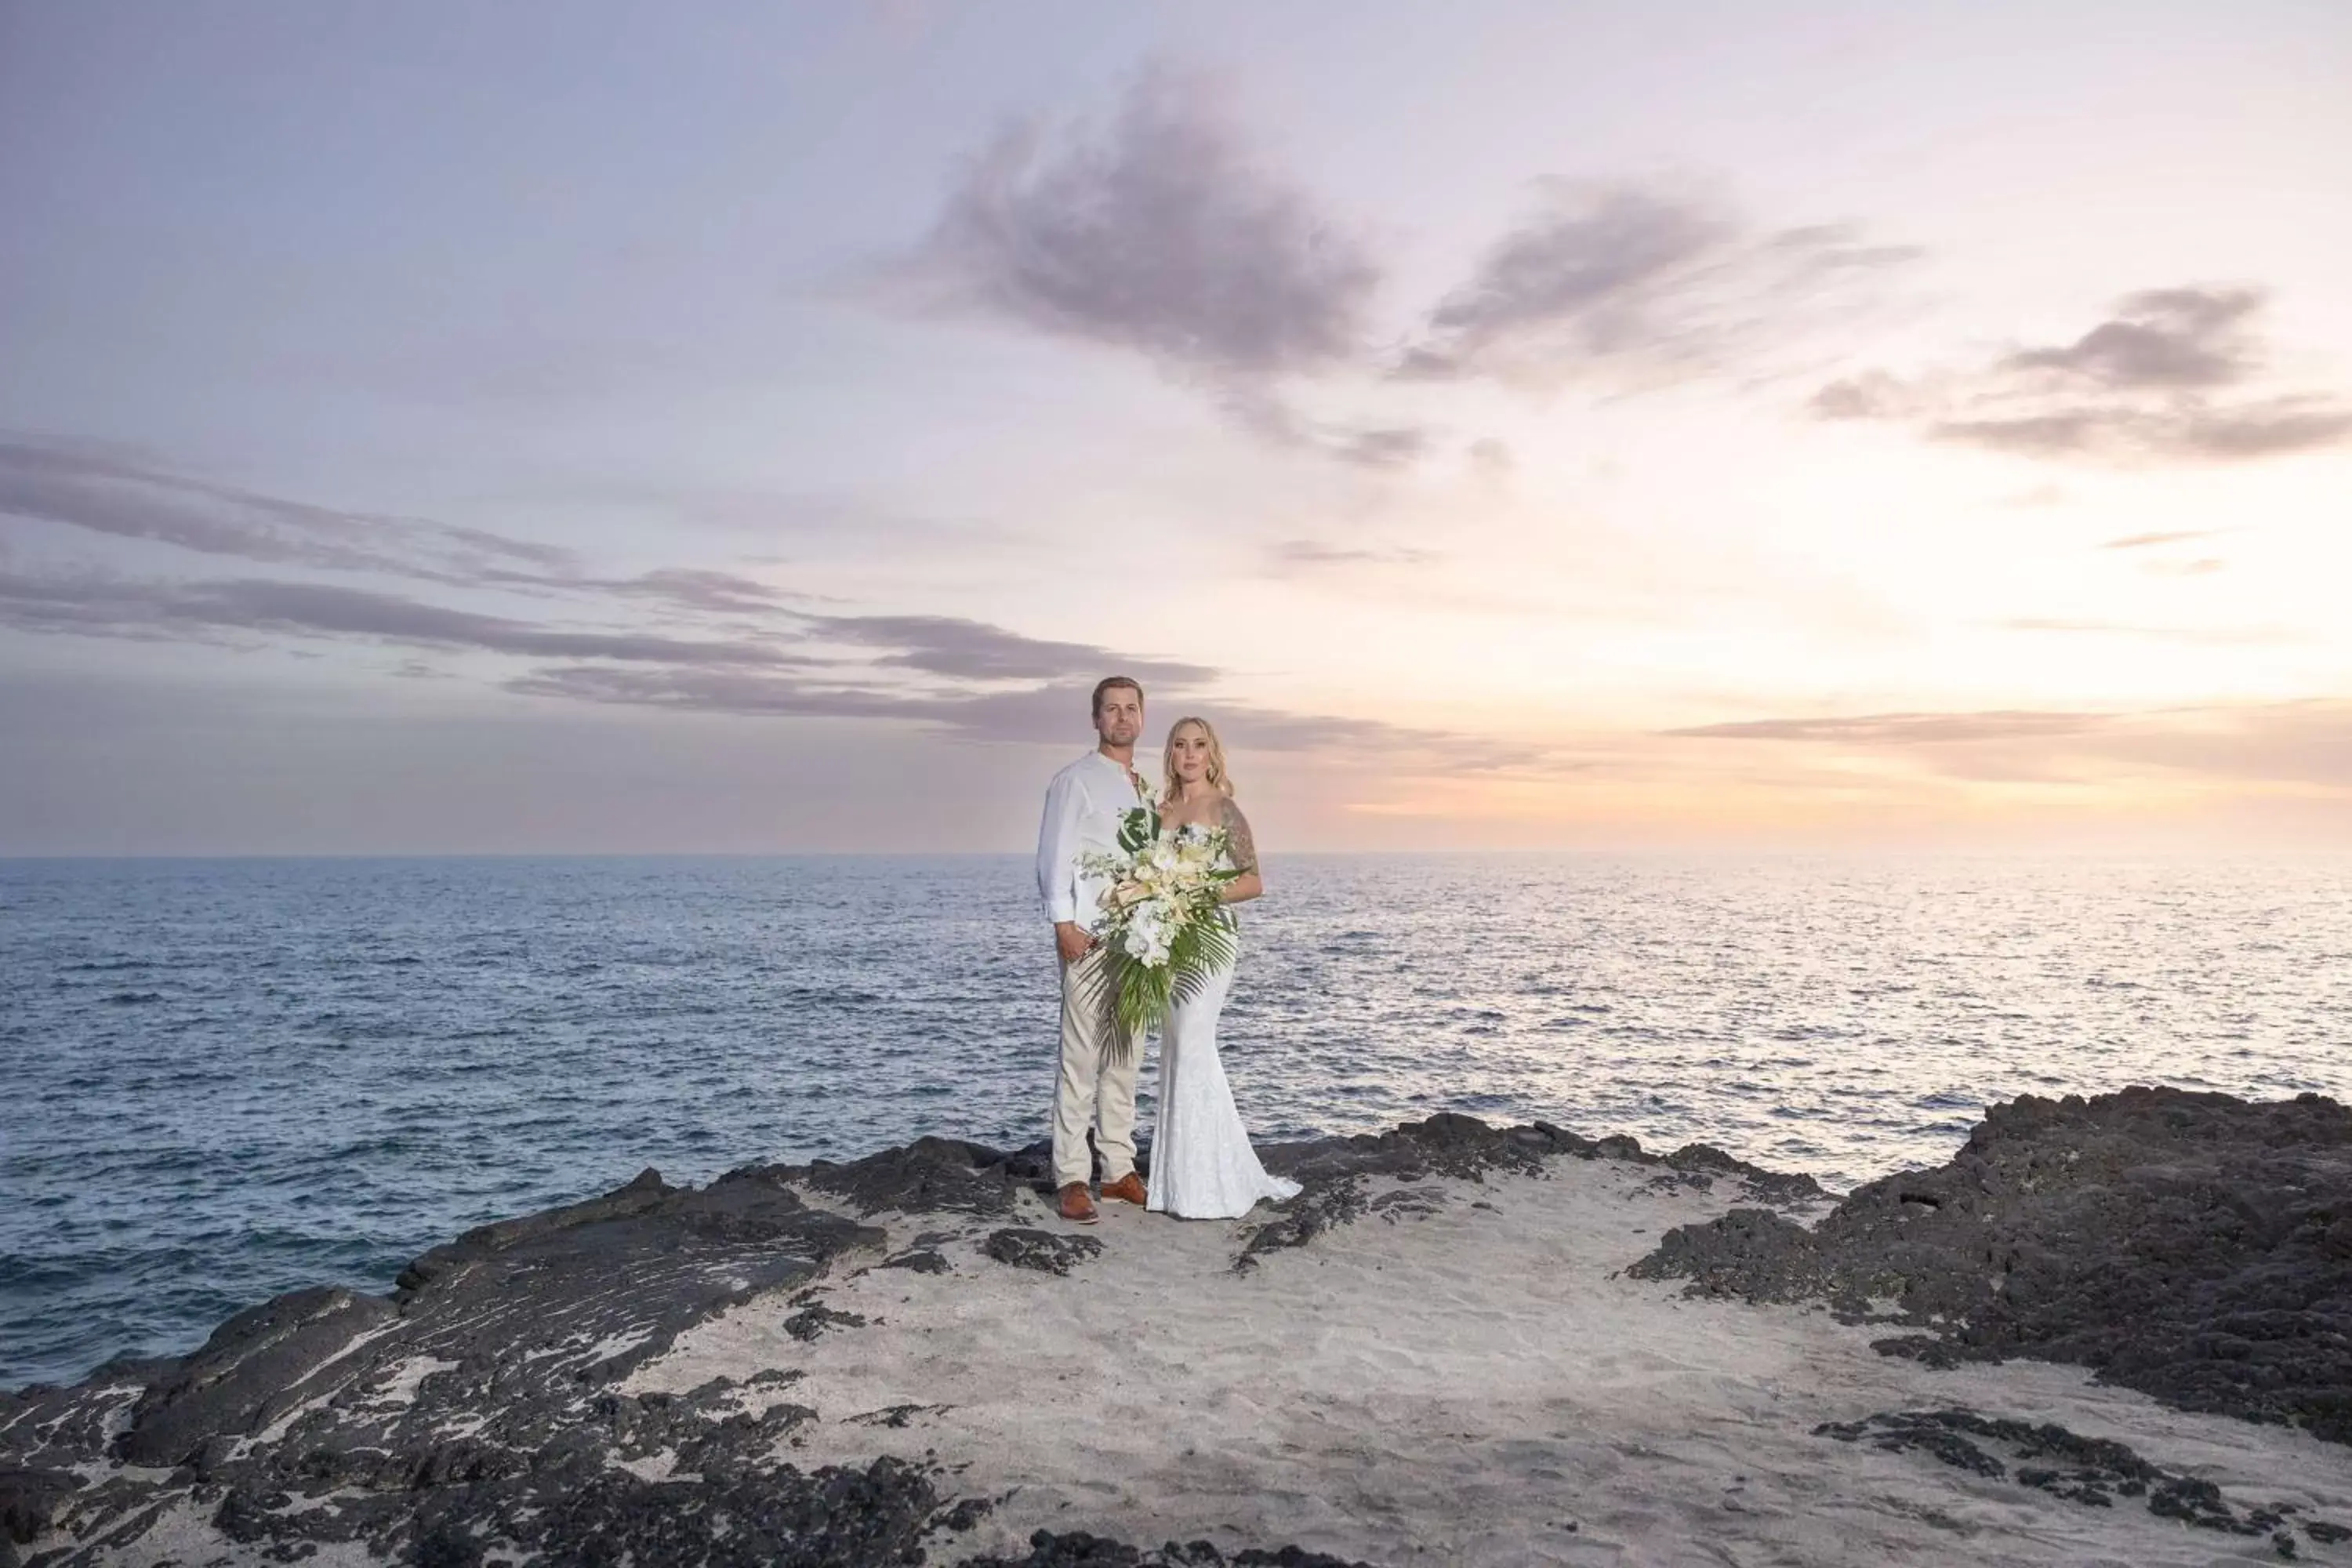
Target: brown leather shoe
1077, 1207
1127, 1189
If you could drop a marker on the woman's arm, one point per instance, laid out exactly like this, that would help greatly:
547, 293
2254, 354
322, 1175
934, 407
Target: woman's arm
1242, 850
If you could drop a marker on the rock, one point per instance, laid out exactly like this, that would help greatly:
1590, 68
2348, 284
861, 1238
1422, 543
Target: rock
923, 1261
1024, 1247
1328, 1200
475, 1403
1335, 1170
475, 1412
1445, 1145
930, 1175
896, 1415
810, 1322
1031, 1164
835, 1516
270, 1356
1765, 1186
1077, 1549
1413, 1203
1752, 1254
28, 1501
2194, 1246
2093, 1471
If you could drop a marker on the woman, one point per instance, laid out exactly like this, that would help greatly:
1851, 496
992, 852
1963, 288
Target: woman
1203, 1166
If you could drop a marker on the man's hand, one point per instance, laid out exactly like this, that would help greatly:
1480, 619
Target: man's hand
1071, 938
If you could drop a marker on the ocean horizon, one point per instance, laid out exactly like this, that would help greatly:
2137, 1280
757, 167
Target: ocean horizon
237, 1075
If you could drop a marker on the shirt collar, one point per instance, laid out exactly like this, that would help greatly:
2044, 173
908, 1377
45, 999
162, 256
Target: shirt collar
1141, 789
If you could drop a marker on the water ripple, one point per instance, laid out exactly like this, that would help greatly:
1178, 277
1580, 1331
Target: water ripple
230, 1079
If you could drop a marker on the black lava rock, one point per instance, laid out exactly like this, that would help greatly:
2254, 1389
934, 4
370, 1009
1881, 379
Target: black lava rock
1077, 1549
922, 1261
930, 1175
2194, 1246
28, 1501
1024, 1247
2093, 1471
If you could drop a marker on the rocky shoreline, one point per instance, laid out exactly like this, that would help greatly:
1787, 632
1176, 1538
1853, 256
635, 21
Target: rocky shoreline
2193, 1246
534, 1389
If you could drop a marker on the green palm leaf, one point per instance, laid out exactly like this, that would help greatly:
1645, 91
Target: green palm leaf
1137, 997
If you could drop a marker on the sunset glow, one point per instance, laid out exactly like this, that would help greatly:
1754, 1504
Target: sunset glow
1688, 426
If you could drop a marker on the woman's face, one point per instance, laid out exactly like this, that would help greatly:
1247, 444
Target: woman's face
1188, 753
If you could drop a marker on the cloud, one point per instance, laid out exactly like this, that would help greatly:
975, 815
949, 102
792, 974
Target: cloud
127, 496
754, 624
1041, 715
971, 679
2163, 338
1161, 232
2139, 387
932, 645
109, 493
1164, 232
1904, 729
1624, 281
107, 605
1589, 270
2297, 744
715, 691
2142, 541
717, 593
2218, 636
1307, 555
1265, 414
972, 650
1873, 395
2300, 743
2193, 433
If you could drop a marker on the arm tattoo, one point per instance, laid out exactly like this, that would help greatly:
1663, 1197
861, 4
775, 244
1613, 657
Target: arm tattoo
1237, 830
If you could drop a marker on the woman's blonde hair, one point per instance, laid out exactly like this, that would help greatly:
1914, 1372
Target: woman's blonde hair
1219, 779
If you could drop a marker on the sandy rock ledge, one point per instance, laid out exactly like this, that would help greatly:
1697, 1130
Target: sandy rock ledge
2121, 1335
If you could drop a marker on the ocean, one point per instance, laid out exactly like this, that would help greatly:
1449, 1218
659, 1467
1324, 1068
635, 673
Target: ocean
223, 1079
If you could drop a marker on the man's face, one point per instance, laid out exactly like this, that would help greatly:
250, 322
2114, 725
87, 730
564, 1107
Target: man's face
1118, 719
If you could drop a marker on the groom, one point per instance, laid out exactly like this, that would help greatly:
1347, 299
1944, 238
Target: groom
1084, 806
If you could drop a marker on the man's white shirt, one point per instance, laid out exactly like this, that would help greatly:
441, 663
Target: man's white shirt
1084, 806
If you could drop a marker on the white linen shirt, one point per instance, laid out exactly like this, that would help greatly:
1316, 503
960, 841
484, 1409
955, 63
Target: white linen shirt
1083, 806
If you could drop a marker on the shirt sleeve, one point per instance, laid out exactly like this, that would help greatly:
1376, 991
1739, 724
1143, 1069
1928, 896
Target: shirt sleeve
1057, 850
1241, 846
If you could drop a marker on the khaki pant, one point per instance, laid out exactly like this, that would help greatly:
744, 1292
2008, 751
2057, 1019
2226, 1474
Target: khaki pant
1096, 1087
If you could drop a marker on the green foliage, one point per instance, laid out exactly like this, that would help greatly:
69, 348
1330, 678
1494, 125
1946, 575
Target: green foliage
1199, 950
1138, 997
1138, 827
1135, 996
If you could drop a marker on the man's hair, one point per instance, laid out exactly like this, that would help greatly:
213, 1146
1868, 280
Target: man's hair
1112, 683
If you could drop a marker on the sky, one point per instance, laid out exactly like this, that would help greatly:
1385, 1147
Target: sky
446, 428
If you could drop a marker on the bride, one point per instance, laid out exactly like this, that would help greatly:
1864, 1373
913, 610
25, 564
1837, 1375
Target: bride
1203, 1166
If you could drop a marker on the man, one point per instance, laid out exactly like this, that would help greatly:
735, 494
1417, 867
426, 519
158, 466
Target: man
1096, 1090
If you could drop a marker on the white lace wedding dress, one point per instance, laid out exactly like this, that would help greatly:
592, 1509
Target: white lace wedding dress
1203, 1166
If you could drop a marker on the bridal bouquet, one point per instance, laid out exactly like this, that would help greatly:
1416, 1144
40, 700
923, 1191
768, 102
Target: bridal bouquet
1163, 927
